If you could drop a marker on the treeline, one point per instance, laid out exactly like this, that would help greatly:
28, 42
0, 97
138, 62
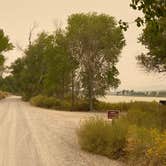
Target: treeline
78, 62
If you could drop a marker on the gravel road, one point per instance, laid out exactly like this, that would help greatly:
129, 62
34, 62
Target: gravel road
31, 136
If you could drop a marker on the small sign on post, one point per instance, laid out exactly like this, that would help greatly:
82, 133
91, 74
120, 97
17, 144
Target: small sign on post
113, 114
163, 102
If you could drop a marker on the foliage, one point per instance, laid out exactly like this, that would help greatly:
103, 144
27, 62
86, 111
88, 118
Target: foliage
78, 62
156, 154
153, 36
99, 136
97, 43
44, 101
155, 41
147, 114
59, 67
45, 68
146, 147
5, 46
51, 102
143, 137
152, 10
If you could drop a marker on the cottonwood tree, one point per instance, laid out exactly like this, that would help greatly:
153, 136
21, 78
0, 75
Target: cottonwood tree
154, 33
29, 71
59, 66
97, 43
155, 42
152, 10
45, 67
5, 46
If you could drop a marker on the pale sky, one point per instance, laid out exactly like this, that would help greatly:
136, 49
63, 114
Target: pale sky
17, 16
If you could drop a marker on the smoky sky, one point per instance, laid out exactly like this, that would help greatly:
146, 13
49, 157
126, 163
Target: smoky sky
17, 17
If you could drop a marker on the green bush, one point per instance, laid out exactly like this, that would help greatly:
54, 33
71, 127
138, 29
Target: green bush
104, 106
43, 101
146, 147
50, 102
100, 136
139, 136
149, 117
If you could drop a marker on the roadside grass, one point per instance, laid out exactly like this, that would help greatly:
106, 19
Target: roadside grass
99, 136
83, 105
138, 138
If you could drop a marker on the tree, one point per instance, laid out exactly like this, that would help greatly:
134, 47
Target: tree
97, 42
59, 66
5, 46
155, 41
29, 71
154, 33
152, 10
45, 67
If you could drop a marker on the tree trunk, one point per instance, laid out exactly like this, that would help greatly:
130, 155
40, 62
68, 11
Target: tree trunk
63, 87
90, 93
72, 92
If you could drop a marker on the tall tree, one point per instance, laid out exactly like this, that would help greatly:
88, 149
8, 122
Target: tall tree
153, 36
97, 43
29, 71
45, 67
5, 46
59, 66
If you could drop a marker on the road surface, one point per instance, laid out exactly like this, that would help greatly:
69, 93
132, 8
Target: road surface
31, 136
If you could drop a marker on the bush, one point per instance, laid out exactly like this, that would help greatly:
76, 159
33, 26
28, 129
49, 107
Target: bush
156, 153
43, 101
146, 147
50, 102
100, 136
139, 136
104, 106
149, 118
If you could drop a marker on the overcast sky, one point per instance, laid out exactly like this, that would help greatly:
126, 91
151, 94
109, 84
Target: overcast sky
17, 16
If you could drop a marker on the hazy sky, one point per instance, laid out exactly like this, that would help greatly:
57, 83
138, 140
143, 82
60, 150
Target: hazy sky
17, 16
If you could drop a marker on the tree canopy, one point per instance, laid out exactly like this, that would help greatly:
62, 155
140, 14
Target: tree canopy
77, 62
5, 46
155, 42
97, 43
152, 10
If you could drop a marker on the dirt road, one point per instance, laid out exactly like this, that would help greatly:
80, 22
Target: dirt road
32, 136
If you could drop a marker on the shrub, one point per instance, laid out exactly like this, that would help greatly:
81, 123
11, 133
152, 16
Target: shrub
104, 106
149, 118
50, 102
100, 136
146, 147
138, 139
156, 154
43, 101
81, 105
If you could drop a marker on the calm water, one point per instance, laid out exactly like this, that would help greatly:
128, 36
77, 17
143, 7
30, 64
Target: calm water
116, 99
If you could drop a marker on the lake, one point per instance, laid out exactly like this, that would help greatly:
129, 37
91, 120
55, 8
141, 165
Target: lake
116, 99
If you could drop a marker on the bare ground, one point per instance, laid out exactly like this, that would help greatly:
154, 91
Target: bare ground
31, 136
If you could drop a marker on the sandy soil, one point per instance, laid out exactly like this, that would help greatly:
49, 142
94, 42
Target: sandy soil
31, 136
